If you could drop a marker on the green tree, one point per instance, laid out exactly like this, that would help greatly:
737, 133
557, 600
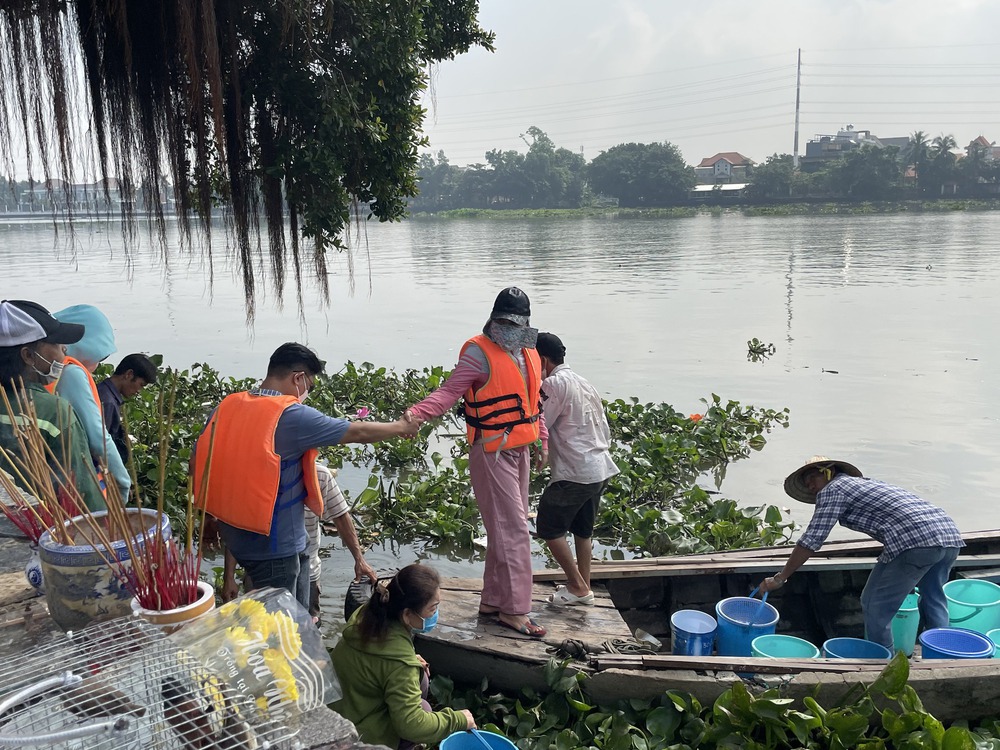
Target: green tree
640, 174
437, 182
941, 163
301, 107
915, 154
866, 173
773, 178
555, 176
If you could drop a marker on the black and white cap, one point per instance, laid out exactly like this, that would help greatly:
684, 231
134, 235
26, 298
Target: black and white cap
23, 322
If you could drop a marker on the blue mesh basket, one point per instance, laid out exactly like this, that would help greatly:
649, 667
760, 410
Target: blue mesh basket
954, 643
744, 610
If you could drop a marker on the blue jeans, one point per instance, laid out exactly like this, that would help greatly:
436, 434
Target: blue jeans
291, 573
889, 583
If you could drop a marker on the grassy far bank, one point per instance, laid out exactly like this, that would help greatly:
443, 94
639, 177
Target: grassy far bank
747, 209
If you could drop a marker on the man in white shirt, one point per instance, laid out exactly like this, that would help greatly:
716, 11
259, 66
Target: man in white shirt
579, 442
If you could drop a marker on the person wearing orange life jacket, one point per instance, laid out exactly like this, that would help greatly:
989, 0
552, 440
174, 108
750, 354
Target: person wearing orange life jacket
499, 376
76, 385
255, 472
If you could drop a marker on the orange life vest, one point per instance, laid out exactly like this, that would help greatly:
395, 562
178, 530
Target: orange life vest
245, 472
504, 412
51, 388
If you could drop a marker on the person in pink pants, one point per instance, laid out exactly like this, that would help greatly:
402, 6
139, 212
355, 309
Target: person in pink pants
498, 377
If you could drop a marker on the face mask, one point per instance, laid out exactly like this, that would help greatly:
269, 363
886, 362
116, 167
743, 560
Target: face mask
301, 396
513, 338
55, 369
429, 623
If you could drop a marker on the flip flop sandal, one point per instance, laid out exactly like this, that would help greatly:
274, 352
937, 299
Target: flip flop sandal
565, 597
530, 628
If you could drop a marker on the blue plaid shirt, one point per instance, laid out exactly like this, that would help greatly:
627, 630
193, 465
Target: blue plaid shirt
898, 519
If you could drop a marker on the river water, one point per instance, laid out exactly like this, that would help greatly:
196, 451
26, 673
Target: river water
883, 325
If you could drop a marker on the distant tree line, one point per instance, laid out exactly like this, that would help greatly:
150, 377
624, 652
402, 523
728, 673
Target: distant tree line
655, 174
631, 174
923, 168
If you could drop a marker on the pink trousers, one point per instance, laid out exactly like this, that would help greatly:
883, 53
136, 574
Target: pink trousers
500, 482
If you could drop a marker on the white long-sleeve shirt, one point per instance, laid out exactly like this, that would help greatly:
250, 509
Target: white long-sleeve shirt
579, 436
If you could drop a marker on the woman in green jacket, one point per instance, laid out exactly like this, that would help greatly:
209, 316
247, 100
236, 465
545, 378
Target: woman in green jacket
383, 679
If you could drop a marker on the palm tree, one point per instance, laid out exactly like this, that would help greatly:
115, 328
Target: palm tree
915, 153
942, 146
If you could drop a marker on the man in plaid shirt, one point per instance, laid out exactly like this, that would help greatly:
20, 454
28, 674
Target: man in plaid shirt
920, 541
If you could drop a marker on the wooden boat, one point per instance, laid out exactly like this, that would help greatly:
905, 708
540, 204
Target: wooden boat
820, 601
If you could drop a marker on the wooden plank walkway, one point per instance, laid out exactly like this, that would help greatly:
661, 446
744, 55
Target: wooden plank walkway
469, 646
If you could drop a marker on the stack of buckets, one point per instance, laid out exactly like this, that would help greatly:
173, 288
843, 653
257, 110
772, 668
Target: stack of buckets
973, 620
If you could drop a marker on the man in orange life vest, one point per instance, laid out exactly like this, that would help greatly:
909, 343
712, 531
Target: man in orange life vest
260, 449
499, 375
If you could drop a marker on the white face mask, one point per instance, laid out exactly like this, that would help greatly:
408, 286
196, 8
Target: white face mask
55, 369
301, 396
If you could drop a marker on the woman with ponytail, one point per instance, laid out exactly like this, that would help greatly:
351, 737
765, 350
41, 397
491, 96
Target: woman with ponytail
383, 679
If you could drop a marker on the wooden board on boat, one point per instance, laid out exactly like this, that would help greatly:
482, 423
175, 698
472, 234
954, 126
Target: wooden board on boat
821, 601
468, 646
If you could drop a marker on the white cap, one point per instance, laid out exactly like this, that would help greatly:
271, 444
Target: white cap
17, 327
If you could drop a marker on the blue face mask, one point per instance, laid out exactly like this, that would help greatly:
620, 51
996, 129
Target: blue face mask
429, 623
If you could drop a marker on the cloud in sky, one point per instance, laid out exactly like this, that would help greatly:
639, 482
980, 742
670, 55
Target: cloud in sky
718, 75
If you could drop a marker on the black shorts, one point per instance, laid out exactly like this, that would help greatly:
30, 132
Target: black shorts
568, 506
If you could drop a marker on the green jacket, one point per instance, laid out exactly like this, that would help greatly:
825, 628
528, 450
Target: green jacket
381, 684
62, 431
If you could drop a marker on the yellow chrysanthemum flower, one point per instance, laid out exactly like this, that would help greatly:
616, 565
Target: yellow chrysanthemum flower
251, 607
282, 671
228, 609
261, 624
288, 635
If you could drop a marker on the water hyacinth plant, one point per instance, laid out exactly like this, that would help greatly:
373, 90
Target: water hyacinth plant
419, 490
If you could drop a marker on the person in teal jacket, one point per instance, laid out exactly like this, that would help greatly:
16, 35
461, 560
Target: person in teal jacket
383, 679
76, 385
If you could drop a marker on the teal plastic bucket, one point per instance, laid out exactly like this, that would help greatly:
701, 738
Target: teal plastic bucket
955, 643
994, 635
741, 619
783, 647
973, 604
854, 648
693, 632
468, 741
905, 624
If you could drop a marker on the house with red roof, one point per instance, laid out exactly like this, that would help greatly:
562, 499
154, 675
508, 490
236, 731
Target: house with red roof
724, 167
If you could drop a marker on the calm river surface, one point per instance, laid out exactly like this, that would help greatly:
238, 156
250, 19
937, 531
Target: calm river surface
886, 355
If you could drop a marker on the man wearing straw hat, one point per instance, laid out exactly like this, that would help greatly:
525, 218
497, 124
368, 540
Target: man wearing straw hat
920, 541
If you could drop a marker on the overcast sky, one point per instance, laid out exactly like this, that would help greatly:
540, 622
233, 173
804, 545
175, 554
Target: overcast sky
718, 75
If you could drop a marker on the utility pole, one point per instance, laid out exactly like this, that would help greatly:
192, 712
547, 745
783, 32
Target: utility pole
798, 84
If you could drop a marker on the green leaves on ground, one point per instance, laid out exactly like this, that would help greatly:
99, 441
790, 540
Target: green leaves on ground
563, 718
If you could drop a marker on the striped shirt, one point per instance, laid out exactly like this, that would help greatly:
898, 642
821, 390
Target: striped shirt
898, 519
334, 506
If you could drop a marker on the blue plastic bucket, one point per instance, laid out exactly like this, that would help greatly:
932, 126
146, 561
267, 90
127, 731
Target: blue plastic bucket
468, 741
783, 647
973, 604
905, 624
994, 635
741, 619
693, 632
854, 648
955, 643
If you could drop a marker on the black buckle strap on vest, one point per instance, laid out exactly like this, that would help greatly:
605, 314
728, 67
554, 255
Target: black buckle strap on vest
484, 422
